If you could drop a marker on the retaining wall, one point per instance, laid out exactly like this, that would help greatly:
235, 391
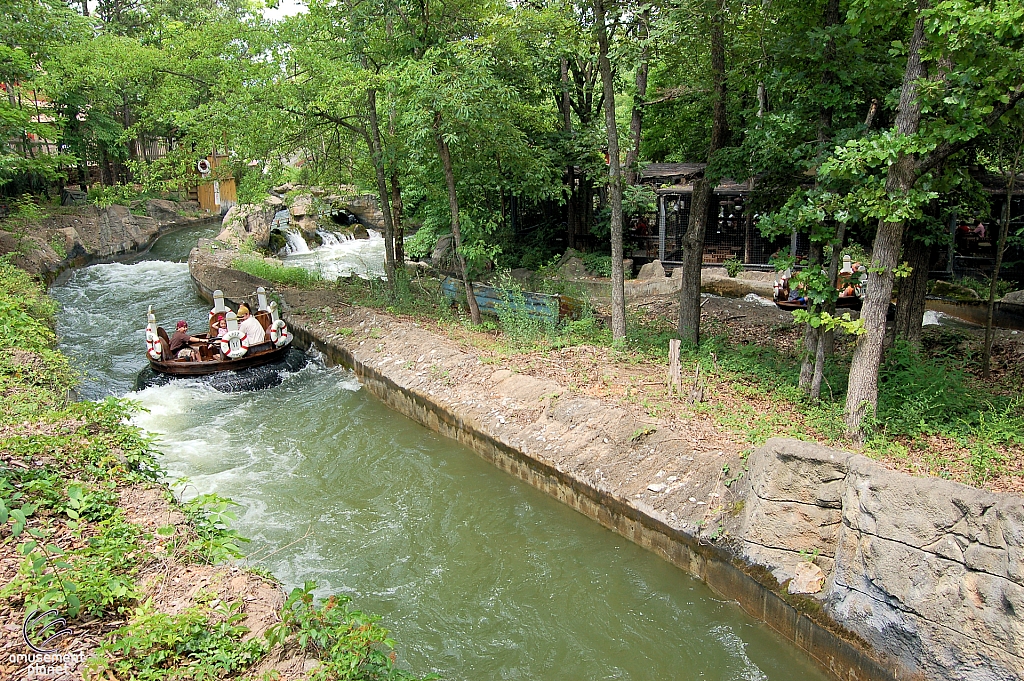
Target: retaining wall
924, 576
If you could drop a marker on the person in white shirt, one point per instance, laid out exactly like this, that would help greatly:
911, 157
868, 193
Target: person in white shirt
248, 325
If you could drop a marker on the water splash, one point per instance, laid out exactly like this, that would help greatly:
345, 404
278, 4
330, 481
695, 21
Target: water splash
295, 244
363, 258
328, 238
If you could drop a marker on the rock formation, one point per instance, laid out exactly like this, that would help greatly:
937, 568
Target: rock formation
929, 572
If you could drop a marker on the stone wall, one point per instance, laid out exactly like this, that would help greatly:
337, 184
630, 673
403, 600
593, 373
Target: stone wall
89, 233
927, 571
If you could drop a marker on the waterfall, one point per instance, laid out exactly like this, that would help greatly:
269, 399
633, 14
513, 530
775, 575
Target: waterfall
295, 243
332, 238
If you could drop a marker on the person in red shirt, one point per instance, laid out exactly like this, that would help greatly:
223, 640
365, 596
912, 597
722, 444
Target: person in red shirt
180, 341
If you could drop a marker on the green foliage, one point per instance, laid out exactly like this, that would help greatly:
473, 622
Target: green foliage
118, 194
408, 296
211, 517
351, 646
733, 266
520, 324
94, 580
279, 274
198, 644
983, 286
597, 264
421, 244
638, 200
920, 397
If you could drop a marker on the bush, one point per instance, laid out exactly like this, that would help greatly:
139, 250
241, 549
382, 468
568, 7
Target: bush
421, 244
733, 266
517, 322
598, 264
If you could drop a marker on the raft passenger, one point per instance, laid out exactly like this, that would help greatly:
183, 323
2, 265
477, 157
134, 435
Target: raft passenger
180, 341
248, 325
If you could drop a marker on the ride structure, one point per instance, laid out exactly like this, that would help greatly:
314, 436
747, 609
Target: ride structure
231, 352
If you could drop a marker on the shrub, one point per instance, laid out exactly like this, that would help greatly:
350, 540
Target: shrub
598, 264
517, 322
733, 266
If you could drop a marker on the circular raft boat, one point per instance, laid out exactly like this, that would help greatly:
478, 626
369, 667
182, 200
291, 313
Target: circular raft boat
252, 378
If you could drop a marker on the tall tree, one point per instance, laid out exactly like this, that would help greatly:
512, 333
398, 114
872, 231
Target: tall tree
704, 187
614, 172
960, 51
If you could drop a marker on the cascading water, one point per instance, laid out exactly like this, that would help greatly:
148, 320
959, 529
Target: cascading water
332, 238
295, 243
478, 575
345, 257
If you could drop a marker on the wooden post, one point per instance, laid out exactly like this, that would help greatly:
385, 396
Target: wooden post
674, 371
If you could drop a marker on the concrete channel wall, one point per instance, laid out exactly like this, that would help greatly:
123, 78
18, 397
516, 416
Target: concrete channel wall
924, 576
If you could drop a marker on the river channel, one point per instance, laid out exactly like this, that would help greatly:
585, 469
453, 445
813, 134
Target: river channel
478, 575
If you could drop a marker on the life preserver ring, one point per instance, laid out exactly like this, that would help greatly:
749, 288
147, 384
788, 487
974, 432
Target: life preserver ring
279, 334
203, 166
234, 345
153, 348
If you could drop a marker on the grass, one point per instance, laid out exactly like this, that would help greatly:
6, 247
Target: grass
279, 274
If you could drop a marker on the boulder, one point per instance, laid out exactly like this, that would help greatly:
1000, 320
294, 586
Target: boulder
794, 504
359, 232
365, 208
652, 270
242, 223
932, 572
945, 289
1016, 297
441, 257
808, 579
756, 275
304, 216
163, 211
572, 268
929, 572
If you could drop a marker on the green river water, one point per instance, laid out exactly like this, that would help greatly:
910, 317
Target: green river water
477, 575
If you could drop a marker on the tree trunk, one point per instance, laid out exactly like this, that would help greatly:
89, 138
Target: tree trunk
453, 203
703, 189
867, 354
1004, 228
396, 213
396, 199
826, 339
614, 176
382, 187
692, 257
570, 171
911, 302
812, 335
636, 121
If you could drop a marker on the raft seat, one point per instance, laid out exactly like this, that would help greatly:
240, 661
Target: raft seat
265, 320
165, 344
